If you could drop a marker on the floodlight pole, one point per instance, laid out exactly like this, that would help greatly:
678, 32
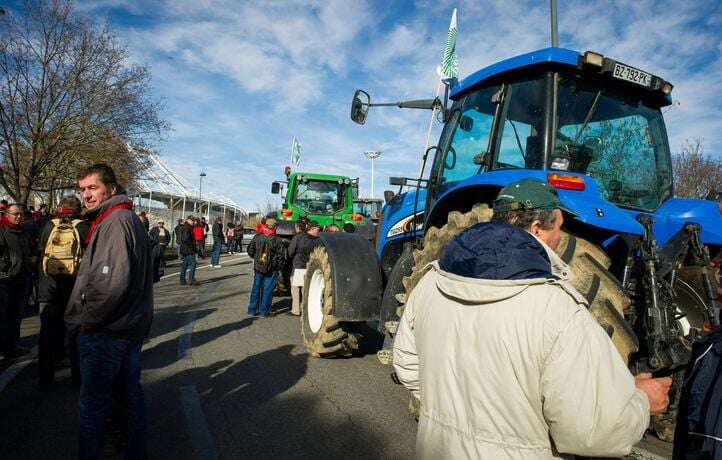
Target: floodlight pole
200, 192
555, 31
372, 155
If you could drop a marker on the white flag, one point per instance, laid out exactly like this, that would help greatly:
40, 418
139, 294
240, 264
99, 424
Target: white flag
295, 152
450, 62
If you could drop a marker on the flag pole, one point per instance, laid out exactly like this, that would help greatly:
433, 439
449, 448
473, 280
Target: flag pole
448, 69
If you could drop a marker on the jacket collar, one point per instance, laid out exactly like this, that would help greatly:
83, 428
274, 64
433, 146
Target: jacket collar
560, 269
107, 204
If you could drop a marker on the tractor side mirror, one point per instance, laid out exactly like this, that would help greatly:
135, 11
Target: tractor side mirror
388, 195
360, 106
397, 181
275, 188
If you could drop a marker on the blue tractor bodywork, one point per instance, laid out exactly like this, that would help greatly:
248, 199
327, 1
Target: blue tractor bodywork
593, 128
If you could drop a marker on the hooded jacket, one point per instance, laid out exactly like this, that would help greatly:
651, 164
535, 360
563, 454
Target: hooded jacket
113, 291
506, 359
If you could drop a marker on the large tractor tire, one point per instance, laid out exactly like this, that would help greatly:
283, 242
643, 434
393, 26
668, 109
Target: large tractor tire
390, 303
607, 299
323, 335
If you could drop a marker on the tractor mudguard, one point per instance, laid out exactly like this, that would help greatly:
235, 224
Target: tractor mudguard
357, 280
671, 216
285, 228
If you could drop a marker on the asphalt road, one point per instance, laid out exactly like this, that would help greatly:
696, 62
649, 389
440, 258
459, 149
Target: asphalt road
221, 384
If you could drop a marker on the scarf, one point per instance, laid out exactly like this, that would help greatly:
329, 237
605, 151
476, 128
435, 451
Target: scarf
5, 222
103, 216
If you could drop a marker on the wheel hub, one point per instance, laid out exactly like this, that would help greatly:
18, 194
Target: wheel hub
315, 301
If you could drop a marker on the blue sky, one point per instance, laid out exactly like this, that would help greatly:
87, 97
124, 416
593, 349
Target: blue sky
239, 79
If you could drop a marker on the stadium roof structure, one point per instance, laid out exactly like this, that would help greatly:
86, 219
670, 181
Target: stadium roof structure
158, 183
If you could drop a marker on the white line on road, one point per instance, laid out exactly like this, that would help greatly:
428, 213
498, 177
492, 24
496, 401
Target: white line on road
201, 438
12, 371
205, 266
185, 352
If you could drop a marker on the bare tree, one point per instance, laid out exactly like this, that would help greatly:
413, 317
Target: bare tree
67, 98
696, 174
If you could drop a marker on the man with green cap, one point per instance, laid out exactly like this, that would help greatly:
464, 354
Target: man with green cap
504, 355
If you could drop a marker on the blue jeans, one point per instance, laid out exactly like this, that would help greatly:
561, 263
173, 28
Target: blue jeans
262, 293
216, 254
107, 361
188, 262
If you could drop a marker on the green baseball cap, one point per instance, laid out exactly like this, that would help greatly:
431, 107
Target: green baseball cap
529, 194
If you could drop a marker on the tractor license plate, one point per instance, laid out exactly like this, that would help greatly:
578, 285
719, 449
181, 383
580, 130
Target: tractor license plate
624, 72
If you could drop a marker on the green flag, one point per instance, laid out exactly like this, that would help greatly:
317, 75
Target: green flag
450, 62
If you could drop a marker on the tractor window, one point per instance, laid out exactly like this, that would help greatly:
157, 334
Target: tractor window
319, 197
616, 139
470, 129
520, 140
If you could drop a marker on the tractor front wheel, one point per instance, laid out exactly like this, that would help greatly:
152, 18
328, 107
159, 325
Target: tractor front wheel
323, 335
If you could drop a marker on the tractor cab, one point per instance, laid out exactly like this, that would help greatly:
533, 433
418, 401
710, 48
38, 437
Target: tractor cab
569, 114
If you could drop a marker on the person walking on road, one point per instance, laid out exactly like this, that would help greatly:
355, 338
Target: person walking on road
206, 231
62, 243
187, 250
218, 242
299, 250
176, 239
267, 252
504, 355
200, 242
16, 263
159, 240
230, 237
112, 307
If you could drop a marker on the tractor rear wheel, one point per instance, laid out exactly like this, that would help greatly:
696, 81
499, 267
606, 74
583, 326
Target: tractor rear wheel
323, 335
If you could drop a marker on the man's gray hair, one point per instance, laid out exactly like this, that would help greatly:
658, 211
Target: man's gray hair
525, 217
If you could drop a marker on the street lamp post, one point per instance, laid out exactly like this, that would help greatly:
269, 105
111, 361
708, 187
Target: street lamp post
372, 155
200, 192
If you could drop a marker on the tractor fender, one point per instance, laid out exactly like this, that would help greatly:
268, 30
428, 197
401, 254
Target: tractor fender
357, 280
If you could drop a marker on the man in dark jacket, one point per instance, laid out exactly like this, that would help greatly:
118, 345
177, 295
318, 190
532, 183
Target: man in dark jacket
112, 306
159, 240
218, 242
299, 250
15, 273
54, 292
267, 252
187, 251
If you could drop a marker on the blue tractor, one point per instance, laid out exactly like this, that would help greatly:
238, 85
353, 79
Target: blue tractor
588, 125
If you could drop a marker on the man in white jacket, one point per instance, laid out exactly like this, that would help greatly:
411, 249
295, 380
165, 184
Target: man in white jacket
504, 356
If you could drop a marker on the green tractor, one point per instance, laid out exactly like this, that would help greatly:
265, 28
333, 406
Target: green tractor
324, 198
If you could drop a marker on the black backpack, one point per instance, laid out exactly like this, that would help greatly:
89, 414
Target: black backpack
698, 434
262, 262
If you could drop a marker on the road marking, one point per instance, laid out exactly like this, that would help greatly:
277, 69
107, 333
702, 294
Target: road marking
204, 266
17, 367
185, 349
201, 438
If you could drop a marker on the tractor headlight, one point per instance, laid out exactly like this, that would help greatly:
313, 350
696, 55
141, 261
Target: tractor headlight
593, 59
560, 163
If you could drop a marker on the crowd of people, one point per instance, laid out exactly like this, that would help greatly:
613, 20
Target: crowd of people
549, 381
